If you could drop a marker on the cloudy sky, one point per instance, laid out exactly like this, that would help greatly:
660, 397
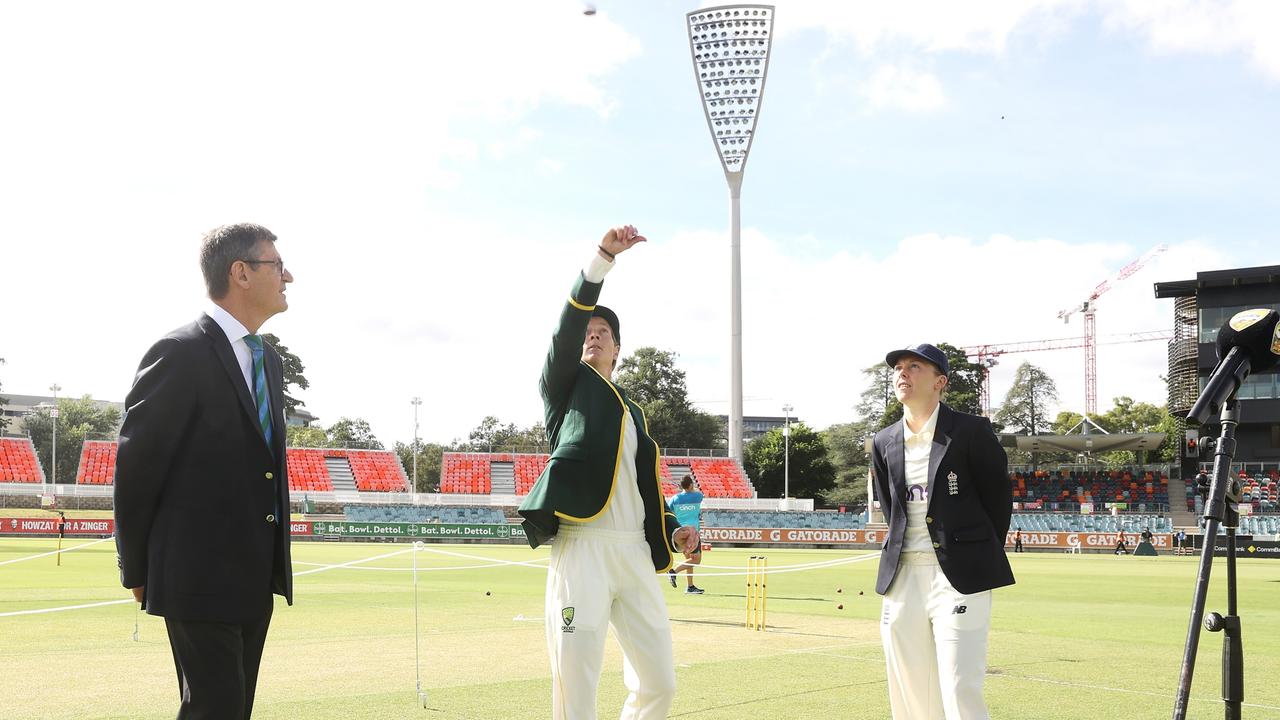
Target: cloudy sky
438, 173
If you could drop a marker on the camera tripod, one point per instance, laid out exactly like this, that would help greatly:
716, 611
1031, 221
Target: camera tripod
1221, 494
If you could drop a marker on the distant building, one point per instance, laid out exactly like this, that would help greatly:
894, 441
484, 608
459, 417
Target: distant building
22, 405
753, 426
300, 417
1201, 307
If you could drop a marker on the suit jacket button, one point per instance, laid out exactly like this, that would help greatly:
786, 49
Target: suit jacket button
271, 518
937, 545
929, 520
270, 476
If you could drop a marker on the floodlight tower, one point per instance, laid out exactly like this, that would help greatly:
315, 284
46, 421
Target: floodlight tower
416, 402
730, 47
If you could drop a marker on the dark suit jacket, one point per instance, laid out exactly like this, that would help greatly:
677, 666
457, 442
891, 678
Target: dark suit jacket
968, 527
584, 418
197, 489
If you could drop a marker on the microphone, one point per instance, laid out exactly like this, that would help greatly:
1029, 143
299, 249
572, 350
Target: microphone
1248, 343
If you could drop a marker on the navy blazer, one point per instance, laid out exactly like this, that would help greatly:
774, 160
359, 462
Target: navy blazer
968, 514
197, 488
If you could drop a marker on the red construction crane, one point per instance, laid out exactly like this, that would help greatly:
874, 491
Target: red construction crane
1090, 327
986, 354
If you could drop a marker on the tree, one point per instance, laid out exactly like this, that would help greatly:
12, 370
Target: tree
353, 433
492, 436
430, 458
846, 448
878, 406
651, 379
293, 369
1025, 407
812, 474
4, 421
964, 384
1129, 416
306, 437
78, 420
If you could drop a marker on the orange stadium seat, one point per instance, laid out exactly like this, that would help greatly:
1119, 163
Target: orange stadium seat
18, 463
469, 473
376, 470
307, 471
97, 463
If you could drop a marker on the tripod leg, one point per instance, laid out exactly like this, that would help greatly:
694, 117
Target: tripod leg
1197, 617
1232, 645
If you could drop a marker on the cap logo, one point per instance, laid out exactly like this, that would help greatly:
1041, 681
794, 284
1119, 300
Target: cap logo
1246, 318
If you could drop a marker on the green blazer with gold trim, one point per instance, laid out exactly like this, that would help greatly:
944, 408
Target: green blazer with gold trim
584, 419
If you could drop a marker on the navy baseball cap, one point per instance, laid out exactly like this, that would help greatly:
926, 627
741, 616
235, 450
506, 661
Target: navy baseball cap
924, 351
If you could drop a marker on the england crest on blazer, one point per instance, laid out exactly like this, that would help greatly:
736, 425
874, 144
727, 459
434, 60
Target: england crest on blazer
953, 483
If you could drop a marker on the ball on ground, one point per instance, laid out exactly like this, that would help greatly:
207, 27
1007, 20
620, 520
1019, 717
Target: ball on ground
840, 606
486, 592
839, 590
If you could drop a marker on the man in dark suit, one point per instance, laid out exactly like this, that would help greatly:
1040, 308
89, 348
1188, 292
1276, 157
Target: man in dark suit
600, 498
201, 492
942, 481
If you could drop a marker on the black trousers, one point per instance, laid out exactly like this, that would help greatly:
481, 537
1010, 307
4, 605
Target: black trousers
217, 666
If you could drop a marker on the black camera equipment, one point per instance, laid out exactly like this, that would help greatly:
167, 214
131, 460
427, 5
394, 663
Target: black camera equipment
1249, 342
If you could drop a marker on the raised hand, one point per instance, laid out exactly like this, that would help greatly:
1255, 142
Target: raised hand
620, 239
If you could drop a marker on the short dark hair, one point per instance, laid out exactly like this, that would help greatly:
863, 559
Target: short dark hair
687, 482
224, 245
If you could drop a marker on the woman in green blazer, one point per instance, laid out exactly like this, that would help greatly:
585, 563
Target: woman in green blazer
600, 498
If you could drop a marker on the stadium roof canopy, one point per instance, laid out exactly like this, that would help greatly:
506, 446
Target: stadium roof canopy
1264, 275
1093, 442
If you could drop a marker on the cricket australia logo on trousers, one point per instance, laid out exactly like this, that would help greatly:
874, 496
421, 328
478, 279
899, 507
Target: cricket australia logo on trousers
566, 614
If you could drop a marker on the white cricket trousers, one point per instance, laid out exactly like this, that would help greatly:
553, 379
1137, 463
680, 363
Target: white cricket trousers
935, 643
599, 578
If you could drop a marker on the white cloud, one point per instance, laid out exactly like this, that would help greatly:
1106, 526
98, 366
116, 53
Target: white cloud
929, 25
143, 127
892, 87
550, 166
812, 324
239, 91
129, 130
1249, 27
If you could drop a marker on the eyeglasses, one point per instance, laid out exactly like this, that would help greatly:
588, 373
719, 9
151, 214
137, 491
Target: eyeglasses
278, 263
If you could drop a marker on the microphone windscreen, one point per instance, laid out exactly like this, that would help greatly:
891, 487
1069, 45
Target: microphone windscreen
1257, 333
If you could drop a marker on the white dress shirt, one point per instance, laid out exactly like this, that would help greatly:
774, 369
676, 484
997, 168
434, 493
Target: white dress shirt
625, 511
916, 448
235, 332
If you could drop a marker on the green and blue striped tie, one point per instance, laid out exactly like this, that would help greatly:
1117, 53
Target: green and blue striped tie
260, 388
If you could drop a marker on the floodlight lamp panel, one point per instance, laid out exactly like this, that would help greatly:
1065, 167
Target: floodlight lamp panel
730, 46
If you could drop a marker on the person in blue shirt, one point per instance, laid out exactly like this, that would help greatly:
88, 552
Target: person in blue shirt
687, 506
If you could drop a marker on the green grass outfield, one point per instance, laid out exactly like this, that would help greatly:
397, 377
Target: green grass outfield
1096, 636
